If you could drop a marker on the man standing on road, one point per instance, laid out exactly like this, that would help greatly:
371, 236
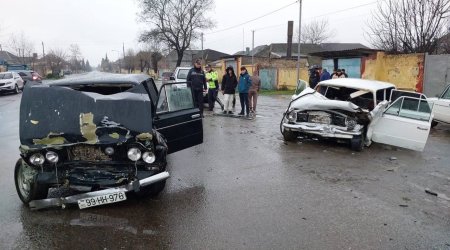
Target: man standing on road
244, 85
196, 78
253, 91
325, 75
229, 83
213, 86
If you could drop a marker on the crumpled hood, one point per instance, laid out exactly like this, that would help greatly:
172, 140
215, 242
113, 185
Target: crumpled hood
58, 116
309, 99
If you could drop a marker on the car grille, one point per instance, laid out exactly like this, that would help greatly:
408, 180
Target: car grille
319, 117
88, 153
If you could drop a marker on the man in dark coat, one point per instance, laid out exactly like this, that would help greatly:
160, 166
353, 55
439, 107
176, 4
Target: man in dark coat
197, 80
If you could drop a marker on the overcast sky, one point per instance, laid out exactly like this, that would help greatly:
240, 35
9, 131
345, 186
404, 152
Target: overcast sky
101, 26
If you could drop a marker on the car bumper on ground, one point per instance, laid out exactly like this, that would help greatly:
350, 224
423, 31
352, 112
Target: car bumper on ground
323, 130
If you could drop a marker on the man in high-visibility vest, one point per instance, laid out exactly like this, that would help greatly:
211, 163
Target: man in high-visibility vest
212, 80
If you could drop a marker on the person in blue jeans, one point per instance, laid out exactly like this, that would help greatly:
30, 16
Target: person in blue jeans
244, 85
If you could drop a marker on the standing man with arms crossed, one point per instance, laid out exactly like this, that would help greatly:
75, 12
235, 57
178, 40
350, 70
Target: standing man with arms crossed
197, 80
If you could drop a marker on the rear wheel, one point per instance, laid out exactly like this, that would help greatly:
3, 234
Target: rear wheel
26, 185
434, 123
289, 135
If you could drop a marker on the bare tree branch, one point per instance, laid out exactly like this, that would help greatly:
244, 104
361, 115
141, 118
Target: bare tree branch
316, 32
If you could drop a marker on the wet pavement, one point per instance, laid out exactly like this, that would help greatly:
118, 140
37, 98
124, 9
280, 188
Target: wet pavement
244, 188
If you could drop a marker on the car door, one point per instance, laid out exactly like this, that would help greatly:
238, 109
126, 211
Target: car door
441, 108
405, 123
177, 118
18, 80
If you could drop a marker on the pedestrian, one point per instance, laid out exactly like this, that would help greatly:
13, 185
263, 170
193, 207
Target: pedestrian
325, 75
334, 73
229, 83
343, 72
338, 74
253, 91
197, 80
314, 76
244, 85
213, 86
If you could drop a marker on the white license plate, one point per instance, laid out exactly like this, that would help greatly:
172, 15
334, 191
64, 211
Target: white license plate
102, 200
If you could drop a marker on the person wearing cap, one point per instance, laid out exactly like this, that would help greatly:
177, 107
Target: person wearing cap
244, 85
213, 86
197, 80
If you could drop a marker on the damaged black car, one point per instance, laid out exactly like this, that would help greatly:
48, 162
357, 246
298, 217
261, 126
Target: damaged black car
101, 135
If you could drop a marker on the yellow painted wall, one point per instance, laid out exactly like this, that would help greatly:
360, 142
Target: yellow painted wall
402, 70
287, 77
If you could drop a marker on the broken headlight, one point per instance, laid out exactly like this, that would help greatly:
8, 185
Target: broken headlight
52, 157
292, 116
37, 159
350, 123
134, 154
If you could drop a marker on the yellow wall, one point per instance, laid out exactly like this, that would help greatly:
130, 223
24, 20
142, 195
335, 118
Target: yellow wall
404, 71
287, 76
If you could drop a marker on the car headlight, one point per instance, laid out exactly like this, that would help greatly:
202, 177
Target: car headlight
134, 154
109, 151
37, 159
52, 157
149, 157
351, 123
292, 116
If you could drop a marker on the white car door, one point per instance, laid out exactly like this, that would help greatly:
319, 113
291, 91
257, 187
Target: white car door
441, 109
405, 123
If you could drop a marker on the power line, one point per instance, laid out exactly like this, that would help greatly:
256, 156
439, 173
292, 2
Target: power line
342, 10
254, 19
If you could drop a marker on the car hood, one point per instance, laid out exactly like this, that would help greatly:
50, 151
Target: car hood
54, 116
309, 99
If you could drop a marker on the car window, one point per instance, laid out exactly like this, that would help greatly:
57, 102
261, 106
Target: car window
410, 107
182, 73
175, 97
446, 95
7, 76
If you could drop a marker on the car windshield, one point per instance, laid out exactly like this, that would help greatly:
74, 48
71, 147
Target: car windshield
361, 98
182, 73
6, 76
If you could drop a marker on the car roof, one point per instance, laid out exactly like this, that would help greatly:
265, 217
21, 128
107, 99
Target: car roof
356, 83
101, 77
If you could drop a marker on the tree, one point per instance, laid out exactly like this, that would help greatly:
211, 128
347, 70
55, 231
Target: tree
88, 66
156, 56
75, 55
316, 32
175, 22
22, 46
56, 59
129, 60
408, 26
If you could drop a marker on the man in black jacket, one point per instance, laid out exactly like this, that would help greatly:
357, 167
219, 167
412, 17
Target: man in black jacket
196, 78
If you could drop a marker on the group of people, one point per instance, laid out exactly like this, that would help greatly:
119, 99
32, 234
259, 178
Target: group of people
317, 74
247, 87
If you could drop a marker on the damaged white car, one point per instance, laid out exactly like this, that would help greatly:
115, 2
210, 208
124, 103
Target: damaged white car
358, 112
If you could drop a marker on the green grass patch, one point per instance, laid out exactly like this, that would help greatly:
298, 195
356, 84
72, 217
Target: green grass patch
276, 92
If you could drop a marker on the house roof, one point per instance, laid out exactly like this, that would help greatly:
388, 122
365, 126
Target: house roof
280, 49
6, 56
208, 54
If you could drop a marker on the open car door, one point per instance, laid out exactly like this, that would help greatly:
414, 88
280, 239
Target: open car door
405, 123
442, 107
177, 118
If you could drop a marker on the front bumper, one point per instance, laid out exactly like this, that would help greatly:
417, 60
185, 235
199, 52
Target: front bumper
324, 130
7, 87
132, 186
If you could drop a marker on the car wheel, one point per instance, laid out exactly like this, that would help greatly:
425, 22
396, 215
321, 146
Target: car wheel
434, 123
151, 190
357, 143
26, 185
289, 135
16, 89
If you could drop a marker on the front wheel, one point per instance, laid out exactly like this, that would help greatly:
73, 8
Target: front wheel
289, 135
26, 185
357, 143
16, 89
434, 123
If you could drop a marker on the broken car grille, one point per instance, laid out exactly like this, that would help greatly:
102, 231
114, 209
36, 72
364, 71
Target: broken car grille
321, 118
88, 153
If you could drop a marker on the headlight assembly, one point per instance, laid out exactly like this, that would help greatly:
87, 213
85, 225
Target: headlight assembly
292, 116
52, 157
149, 157
37, 159
134, 154
351, 123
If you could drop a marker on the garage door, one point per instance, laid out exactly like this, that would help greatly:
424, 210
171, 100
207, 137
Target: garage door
352, 67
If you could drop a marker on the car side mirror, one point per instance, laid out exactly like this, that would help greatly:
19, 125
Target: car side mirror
172, 78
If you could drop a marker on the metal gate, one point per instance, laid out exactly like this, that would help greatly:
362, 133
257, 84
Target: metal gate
436, 74
352, 67
268, 78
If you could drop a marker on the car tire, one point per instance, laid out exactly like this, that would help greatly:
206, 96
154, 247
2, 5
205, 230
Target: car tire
28, 189
357, 143
16, 89
152, 190
289, 135
434, 123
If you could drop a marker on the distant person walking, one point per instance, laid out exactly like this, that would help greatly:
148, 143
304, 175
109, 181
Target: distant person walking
196, 78
244, 85
325, 75
213, 86
253, 91
229, 83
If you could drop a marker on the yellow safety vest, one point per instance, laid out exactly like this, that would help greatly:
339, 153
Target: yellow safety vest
212, 79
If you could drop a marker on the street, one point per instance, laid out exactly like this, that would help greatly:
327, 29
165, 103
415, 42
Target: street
245, 188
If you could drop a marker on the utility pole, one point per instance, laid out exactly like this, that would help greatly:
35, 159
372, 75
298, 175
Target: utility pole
43, 57
202, 47
243, 40
253, 48
123, 51
299, 36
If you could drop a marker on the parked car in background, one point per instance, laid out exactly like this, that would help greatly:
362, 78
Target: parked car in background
166, 76
180, 74
29, 75
102, 135
357, 112
441, 107
11, 82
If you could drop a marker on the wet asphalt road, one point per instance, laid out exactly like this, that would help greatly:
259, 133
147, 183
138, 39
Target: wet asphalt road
244, 188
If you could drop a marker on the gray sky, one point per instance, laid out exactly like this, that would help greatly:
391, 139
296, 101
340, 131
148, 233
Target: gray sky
100, 26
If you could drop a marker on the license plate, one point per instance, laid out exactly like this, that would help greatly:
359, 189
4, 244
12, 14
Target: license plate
101, 200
